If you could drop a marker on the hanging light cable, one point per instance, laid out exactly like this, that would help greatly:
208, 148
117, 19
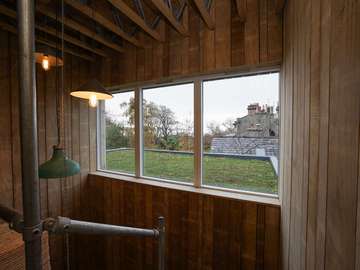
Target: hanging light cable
92, 90
46, 56
59, 165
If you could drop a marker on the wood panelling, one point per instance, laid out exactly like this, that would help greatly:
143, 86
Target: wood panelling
233, 42
321, 119
58, 197
203, 232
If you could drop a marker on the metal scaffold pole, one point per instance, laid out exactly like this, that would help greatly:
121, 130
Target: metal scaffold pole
29, 158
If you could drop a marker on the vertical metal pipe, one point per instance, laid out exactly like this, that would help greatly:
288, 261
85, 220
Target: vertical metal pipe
29, 157
161, 246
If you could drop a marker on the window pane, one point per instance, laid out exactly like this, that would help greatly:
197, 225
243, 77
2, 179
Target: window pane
168, 132
241, 133
120, 133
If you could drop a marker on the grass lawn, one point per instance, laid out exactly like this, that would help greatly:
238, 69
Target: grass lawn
250, 174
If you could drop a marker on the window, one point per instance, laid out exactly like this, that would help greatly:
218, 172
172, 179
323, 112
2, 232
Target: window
119, 140
236, 127
241, 133
168, 132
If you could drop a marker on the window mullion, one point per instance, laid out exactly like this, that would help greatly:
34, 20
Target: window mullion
198, 132
101, 135
138, 133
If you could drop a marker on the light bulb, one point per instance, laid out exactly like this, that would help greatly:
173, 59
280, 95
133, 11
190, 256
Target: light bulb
93, 101
45, 63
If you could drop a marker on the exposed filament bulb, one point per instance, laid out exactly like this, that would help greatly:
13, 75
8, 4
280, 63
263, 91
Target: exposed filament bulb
93, 101
45, 63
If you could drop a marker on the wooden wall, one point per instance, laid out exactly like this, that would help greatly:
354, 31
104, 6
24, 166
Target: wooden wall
203, 232
255, 38
201, 238
320, 168
57, 197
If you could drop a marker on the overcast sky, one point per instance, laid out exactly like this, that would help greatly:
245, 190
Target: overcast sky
223, 99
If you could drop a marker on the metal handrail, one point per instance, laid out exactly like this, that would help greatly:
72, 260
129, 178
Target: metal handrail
64, 225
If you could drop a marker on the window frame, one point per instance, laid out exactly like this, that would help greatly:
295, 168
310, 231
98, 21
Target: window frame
101, 133
198, 100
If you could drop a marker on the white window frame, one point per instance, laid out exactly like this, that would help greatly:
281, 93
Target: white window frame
198, 132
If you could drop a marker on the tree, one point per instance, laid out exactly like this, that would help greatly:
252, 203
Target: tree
229, 126
116, 136
166, 122
214, 129
159, 123
150, 111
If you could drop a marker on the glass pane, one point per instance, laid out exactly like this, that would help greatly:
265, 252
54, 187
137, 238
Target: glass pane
168, 121
120, 133
241, 133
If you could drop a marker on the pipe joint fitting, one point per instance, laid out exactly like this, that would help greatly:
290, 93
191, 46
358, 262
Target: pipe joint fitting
32, 233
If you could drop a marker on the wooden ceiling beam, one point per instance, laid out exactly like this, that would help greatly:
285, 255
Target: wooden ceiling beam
91, 13
12, 14
71, 40
241, 9
13, 30
168, 14
127, 11
205, 14
78, 27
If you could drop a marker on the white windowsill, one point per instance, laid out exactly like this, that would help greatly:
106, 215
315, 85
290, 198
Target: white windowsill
237, 195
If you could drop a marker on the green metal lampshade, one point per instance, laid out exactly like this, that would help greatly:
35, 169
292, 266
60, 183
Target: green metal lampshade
58, 166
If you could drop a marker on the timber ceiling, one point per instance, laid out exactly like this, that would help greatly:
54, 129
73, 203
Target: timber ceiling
100, 28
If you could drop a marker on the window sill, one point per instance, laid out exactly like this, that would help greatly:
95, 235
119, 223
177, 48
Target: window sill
238, 195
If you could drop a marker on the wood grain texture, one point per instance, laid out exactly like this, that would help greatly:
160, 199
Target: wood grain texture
320, 210
203, 232
233, 42
58, 197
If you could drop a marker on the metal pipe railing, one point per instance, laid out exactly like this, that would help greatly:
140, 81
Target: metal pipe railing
63, 225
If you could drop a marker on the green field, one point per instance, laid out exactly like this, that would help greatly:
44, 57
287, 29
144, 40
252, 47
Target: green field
245, 174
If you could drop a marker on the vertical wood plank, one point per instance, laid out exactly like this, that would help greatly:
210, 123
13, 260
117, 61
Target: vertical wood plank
222, 34
54, 186
252, 32
207, 44
343, 157
263, 30
237, 39
272, 238
6, 187
249, 221
15, 124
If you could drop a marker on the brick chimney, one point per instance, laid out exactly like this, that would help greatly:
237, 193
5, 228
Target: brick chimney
253, 108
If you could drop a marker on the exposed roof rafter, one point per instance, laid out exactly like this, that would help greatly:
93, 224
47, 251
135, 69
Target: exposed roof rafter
12, 14
91, 13
51, 44
205, 14
126, 10
168, 14
78, 27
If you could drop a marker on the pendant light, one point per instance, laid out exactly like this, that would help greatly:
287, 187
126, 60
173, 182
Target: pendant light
47, 57
59, 165
93, 91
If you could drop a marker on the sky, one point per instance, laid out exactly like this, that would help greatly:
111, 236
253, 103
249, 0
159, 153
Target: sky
223, 99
